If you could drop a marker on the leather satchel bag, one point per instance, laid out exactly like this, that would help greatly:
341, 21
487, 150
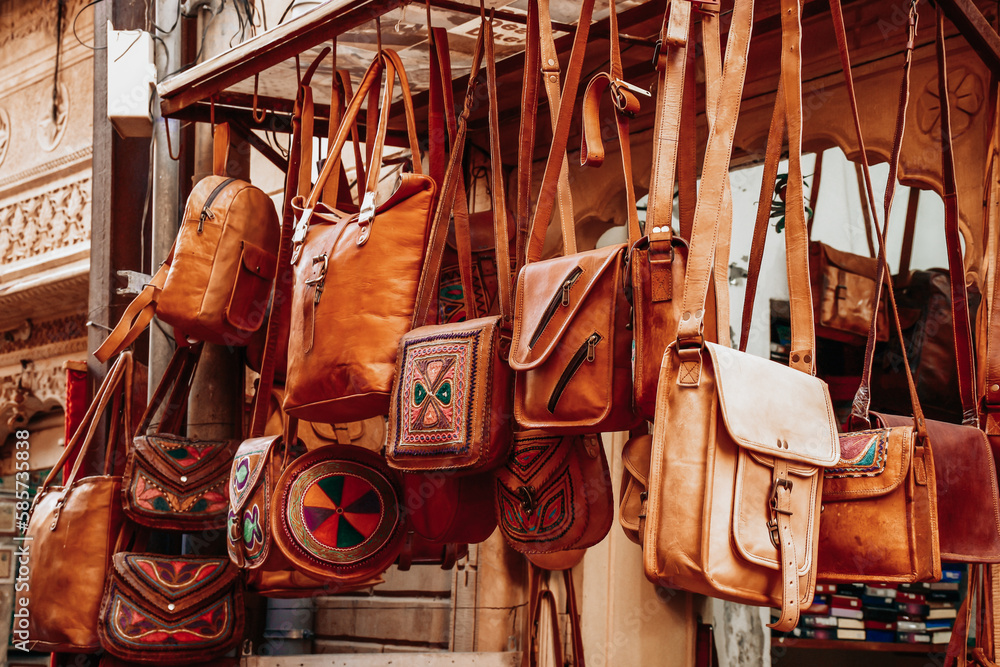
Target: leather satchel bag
572, 344
171, 610
172, 482
73, 529
554, 493
356, 277
215, 284
450, 406
740, 442
337, 515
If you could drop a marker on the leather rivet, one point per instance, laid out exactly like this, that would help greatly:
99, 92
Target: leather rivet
656, 230
795, 358
552, 61
808, 359
699, 314
170, 607
686, 316
553, 77
995, 387
184, 478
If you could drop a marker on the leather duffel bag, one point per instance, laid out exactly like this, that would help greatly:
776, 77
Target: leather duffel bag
73, 529
215, 284
356, 276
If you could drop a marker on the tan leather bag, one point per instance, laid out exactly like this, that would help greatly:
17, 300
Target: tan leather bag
450, 407
73, 530
216, 281
356, 277
572, 344
880, 518
740, 442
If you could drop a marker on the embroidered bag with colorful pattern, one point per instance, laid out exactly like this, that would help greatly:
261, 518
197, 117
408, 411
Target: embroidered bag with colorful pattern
172, 482
554, 493
171, 609
450, 406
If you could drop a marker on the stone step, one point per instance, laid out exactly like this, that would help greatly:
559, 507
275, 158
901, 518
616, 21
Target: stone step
440, 659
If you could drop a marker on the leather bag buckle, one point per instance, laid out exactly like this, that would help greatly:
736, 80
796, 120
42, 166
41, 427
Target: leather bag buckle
319, 281
782, 482
527, 495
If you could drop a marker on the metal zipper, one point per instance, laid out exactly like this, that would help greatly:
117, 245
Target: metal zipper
561, 298
206, 211
585, 353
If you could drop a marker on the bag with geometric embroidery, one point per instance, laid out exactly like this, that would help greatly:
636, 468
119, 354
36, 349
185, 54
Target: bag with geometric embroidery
450, 405
172, 482
171, 609
554, 494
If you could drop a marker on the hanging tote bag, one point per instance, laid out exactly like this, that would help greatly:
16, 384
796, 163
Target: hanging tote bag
356, 276
450, 406
740, 442
172, 482
572, 348
215, 283
73, 529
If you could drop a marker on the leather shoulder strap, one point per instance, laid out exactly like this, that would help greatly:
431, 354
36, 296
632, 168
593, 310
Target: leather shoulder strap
220, 149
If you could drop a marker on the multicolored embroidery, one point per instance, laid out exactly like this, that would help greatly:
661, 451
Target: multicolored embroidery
250, 501
451, 300
139, 628
253, 532
175, 578
527, 459
185, 455
341, 512
434, 396
862, 454
526, 517
149, 495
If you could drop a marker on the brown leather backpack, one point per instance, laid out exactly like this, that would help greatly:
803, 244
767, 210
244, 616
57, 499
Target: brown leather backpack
215, 284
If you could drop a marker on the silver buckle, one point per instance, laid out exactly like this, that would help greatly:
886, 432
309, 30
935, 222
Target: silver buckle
367, 209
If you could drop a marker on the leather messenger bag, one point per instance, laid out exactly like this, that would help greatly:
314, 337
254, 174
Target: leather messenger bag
740, 442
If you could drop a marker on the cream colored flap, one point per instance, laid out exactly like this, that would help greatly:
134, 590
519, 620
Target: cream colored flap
773, 409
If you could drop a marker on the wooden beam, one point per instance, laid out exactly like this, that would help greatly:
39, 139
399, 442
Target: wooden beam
503, 15
976, 29
266, 50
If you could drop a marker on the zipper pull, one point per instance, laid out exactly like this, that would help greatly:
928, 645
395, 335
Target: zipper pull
205, 213
565, 293
591, 344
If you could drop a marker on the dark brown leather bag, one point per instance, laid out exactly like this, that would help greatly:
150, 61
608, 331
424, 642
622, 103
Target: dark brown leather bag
572, 344
215, 284
171, 610
444, 507
172, 482
356, 277
73, 530
554, 493
450, 406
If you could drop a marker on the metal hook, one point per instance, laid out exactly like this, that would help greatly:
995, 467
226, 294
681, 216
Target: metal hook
402, 17
253, 112
211, 113
170, 150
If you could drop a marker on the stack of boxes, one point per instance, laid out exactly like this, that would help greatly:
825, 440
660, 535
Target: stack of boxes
921, 613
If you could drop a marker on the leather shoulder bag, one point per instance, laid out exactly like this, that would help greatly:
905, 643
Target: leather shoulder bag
450, 407
734, 498
73, 529
572, 347
356, 276
880, 519
216, 281
172, 482
171, 609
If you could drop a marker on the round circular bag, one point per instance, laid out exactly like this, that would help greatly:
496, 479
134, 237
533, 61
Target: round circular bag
336, 513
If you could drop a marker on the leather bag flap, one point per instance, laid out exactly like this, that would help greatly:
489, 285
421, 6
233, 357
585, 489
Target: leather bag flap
249, 463
183, 463
635, 457
259, 261
873, 463
773, 409
542, 314
175, 585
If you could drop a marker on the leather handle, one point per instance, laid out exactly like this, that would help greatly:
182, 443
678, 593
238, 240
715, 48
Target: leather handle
557, 150
176, 382
527, 130
626, 105
118, 379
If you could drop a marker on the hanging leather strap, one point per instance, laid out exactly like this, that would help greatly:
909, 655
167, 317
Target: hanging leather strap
117, 385
862, 399
175, 383
430, 275
961, 325
560, 134
526, 135
626, 105
540, 596
220, 149
687, 146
